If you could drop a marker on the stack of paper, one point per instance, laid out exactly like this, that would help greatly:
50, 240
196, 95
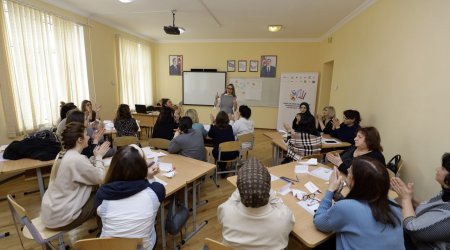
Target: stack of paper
151, 154
301, 169
322, 173
310, 205
312, 161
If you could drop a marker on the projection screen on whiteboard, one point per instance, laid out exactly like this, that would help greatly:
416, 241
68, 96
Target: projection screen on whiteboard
200, 88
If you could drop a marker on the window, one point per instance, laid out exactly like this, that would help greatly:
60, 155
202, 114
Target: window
47, 64
135, 72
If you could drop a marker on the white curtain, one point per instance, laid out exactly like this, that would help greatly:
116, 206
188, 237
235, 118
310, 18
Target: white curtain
47, 64
135, 72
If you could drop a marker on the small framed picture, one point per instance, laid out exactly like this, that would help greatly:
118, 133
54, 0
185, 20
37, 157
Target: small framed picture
175, 65
242, 66
231, 65
253, 66
268, 66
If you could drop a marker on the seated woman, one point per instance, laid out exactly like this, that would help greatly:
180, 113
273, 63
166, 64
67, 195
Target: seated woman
127, 203
367, 143
243, 125
91, 115
192, 113
365, 218
177, 111
426, 224
165, 125
221, 131
95, 136
65, 108
324, 122
124, 124
267, 220
346, 130
304, 121
187, 141
68, 201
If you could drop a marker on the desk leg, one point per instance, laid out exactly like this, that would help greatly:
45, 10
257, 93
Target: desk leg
41, 183
273, 154
195, 227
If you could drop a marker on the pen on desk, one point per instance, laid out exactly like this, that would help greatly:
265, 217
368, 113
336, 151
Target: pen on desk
151, 164
289, 179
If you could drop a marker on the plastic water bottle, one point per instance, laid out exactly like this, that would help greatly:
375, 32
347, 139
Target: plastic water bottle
157, 161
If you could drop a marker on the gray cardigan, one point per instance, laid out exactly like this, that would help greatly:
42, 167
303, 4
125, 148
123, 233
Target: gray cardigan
429, 229
189, 144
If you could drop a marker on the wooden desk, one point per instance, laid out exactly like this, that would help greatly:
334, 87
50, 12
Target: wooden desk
146, 121
188, 171
11, 166
279, 146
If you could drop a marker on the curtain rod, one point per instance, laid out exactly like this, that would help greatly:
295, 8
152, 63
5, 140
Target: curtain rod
49, 12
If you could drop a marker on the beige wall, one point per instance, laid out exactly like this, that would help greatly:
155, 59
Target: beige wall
392, 64
291, 57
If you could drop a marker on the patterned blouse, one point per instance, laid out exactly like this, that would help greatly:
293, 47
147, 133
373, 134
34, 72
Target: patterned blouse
126, 127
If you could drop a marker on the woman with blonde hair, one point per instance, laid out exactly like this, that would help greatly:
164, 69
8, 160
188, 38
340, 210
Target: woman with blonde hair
324, 122
192, 113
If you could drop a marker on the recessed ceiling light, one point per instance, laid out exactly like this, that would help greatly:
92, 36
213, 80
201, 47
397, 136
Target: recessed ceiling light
274, 28
126, 1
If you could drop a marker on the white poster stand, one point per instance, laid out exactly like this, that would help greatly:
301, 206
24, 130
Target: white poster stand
296, 88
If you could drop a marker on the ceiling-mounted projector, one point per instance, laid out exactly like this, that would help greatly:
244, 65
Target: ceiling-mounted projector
173, 30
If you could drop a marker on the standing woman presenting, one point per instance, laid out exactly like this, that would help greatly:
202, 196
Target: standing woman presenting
227, 100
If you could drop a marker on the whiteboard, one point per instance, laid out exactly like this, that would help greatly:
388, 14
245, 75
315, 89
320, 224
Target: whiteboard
200, 88
257, 92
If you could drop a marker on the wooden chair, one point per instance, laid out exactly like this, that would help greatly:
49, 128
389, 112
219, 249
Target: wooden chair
225, 147
124, 141
34, 229
159, 143
108, 244
247, 141
215, 245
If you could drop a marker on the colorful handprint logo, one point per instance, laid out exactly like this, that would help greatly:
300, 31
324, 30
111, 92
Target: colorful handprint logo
297, 94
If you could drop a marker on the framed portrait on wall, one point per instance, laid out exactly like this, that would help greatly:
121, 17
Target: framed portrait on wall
175, 65
268, 66
231, 65
242, 65
253, 66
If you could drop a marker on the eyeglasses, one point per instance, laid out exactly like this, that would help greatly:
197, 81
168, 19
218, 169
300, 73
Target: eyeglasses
230, 88
309, 196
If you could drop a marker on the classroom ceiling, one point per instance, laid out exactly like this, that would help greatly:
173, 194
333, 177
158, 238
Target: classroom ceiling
221, 19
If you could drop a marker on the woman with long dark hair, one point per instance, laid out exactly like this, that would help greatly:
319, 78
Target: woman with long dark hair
124, 124
365, 218
165, 125
127, 203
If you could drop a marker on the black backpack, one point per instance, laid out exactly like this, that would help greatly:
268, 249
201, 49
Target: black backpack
393, 163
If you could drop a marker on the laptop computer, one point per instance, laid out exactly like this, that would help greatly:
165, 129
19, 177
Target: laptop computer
140, 108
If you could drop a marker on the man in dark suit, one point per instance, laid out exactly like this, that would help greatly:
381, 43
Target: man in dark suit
268, 70
174, 70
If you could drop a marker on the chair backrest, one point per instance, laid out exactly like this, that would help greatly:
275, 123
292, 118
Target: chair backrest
108, 244
159, 143
229, 146
247, 141
124, 141
216, 245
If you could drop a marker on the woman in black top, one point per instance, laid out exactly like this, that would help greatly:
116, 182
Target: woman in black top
367, 143
124, 124
304, 121
221, 131
165, 124
324, 122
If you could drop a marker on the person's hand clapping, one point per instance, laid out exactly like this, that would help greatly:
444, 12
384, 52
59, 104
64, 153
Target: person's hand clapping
404, 191
335, 180
153, 169
98, 135
101, 149
298, 117
334, 158
336, 123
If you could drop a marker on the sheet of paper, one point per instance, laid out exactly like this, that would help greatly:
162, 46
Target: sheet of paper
169, 174
273, 177
154, 154
312, 188
166, 167
158, 180
3, 147
322, 173
301, 169
312, 161
298, 193
310, 205
286, 189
